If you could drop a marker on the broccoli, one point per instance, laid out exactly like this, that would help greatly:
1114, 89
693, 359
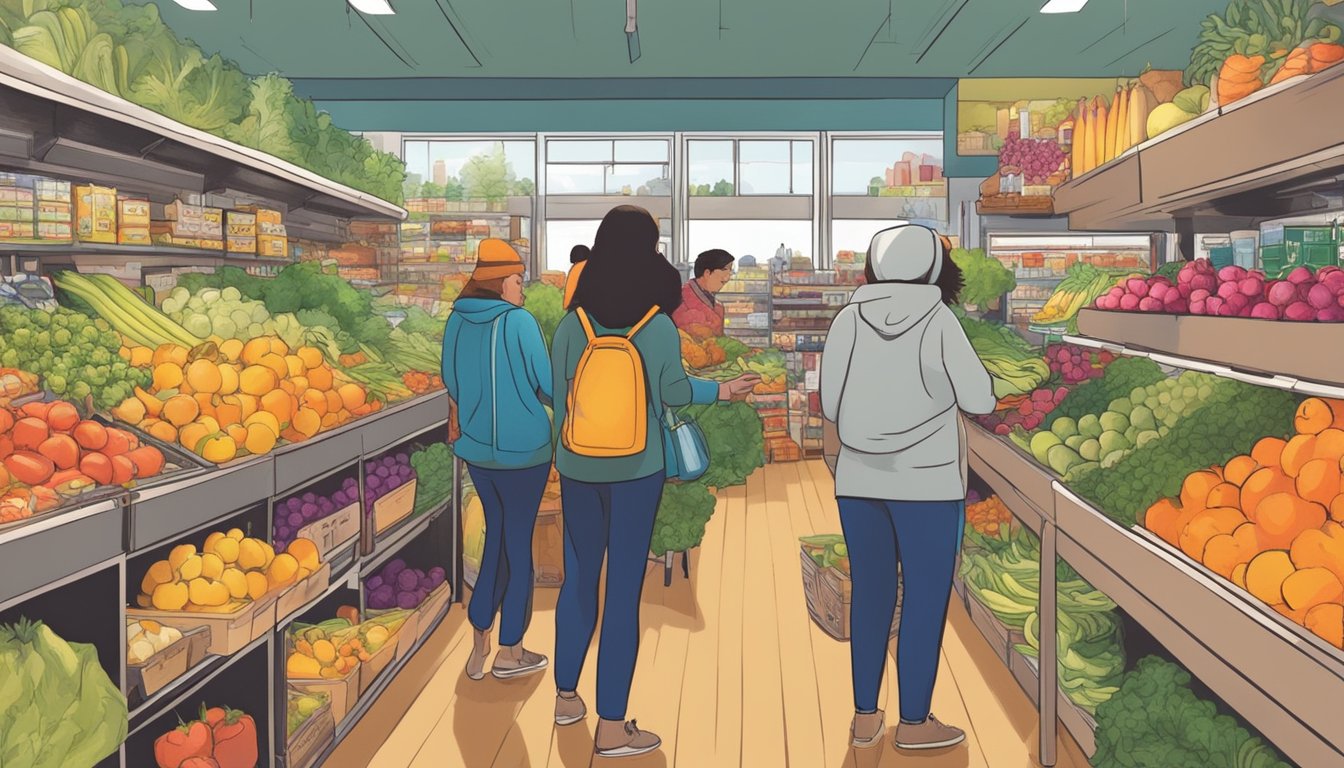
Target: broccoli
682, 515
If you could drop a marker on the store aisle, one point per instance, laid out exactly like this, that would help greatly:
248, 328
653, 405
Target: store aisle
732, 672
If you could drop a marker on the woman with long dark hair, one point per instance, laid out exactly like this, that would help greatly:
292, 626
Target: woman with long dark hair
496, 369
897, 372
616, 359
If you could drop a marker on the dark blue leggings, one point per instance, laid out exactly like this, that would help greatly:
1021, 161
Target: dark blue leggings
615, 519
924, 537
510, 498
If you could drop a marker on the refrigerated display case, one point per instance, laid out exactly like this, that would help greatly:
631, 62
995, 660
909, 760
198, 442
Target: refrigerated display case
1040, 263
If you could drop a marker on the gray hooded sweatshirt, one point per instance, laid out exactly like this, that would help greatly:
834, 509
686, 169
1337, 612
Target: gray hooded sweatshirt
896, 372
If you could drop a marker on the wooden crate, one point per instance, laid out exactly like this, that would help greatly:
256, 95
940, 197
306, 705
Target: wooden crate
161, 669
394, 507
317, 732
229, 632
432, 607
333, 531
303, 592
371, 669
344, 691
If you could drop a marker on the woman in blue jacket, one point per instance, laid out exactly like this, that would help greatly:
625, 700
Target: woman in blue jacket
496, 368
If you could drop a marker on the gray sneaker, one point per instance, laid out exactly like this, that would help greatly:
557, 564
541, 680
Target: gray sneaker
569, 709
480, 651
930, 734
617, 739
510, 663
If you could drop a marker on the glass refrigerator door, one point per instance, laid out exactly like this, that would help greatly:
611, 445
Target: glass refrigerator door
1040, 263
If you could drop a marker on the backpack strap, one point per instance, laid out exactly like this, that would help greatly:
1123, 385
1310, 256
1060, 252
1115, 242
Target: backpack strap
587, 324
653, 311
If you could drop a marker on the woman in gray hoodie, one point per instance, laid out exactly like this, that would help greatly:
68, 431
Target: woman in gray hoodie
896, 374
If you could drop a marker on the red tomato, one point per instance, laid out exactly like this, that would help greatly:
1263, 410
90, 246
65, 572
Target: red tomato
235, 735
190, 740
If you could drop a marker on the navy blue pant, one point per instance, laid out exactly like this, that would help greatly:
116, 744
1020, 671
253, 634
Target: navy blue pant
615, 519
924, 538
510, 498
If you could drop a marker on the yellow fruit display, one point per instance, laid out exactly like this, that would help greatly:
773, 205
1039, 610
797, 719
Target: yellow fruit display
179, 555
260, 439
158, 573
170, 597
212, 566
236, 582
257, 586
235, 533
207, 592
227, 549
305, 552
191, 568
283, 571
219, 448
251, 555
301, 667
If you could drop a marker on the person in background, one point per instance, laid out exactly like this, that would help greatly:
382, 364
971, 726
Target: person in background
699, 310
496, 369
897, 371
610, 490
578, 256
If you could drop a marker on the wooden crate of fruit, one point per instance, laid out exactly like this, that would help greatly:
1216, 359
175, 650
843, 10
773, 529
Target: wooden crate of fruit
230, 630
316, 729
433, 606
394, 507
154, 673
303, 592
378, 662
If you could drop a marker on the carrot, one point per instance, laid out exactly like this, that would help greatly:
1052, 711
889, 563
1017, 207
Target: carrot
1324, 55
1239, 77
1297, 63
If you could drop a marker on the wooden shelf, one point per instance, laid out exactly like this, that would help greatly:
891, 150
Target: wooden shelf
1266, 156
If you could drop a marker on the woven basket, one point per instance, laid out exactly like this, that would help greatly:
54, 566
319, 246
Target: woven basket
828, 590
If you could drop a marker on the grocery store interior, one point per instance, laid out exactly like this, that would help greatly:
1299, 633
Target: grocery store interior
234, 529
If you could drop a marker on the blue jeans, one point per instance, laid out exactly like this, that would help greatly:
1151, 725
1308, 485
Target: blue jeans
615, 519
510, 498
924, 537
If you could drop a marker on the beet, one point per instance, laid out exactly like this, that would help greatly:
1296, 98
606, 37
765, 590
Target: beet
1214, 305
1282, 293
1177, 307
1207, 282
1228, 290
1265, 311
1299, 311
1149, 304
1299, 275
383, 597
1239, 301
1129, 302
1251, 287
1231, 273
1158, 291
1320, 296
1330, 315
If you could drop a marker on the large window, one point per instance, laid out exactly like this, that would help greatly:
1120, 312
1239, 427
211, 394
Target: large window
563, 234
760, 239
910, 171
851, 238
465, 171
624, 167
724, 168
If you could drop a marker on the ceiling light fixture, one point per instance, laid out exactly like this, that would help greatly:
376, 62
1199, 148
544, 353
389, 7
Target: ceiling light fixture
1063, 6
373, 7
197, 5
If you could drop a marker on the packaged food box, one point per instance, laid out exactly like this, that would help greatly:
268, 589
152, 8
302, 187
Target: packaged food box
236, 244
212, 223
240, 224
272, 246
96, 214
133, 225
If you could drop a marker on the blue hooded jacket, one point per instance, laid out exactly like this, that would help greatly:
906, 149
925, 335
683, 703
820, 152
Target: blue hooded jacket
504, 422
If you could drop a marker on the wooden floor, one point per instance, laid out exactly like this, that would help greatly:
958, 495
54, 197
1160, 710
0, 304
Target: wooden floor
731, 670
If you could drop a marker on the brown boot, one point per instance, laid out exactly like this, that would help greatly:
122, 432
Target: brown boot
479, 653
617, 739
867, 729
930, 734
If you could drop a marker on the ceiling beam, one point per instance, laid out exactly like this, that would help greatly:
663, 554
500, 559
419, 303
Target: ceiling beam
565, 89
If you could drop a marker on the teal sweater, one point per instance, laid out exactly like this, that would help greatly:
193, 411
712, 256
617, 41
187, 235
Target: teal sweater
660, 346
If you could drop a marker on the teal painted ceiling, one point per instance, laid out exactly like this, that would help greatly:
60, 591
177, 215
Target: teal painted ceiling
696, 38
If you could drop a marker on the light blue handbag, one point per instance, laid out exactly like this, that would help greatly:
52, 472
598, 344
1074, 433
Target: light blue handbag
684, 448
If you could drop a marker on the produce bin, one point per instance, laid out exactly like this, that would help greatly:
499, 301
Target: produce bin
370, 670
161, 669
229, 632
334, 531
303, 592
311, 739
430, 609
343, 691
827, 592
394, 507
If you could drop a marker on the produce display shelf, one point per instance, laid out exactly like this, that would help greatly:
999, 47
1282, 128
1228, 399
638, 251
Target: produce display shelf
369, 697
163, 512
1264, 352
340, 579
1023, 485
184, 688
1285, 686
83, 537
1189, 170
404, 421
145, 255
125, 141
1080, 725
393, 541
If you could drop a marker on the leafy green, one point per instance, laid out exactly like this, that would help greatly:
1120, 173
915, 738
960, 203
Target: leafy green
421, 323
985, 279
1229, 422
733, 433
682, 515
57, 705
433, 467
544, 302
1156, 719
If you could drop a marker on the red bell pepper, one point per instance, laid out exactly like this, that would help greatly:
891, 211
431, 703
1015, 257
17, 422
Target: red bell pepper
188, 740
235, 737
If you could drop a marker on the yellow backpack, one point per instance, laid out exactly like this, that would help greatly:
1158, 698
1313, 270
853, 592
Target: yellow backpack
608, 401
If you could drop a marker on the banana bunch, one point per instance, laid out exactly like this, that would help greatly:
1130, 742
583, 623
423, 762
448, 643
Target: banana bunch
1105, 129
1079, 288
1091, 659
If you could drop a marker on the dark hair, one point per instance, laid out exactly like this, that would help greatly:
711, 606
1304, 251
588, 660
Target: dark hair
483, 289
950, 280
625, 275
711, 260
579, 254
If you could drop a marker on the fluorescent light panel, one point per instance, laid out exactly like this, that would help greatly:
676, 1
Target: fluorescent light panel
197, 5
1063, 6
373, 7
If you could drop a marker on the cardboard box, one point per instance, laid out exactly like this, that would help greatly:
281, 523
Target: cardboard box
273, 246
96, 214
240, 224
241, 244
378, 662
132, 212
394, 507
212, 223
304, 592
333, 531
311, 739
343, 691
229, 632
161, 669
432, 607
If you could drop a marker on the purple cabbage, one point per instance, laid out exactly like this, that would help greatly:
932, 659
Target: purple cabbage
407, 580
383, 597
375, 581
407, 600
393, 568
